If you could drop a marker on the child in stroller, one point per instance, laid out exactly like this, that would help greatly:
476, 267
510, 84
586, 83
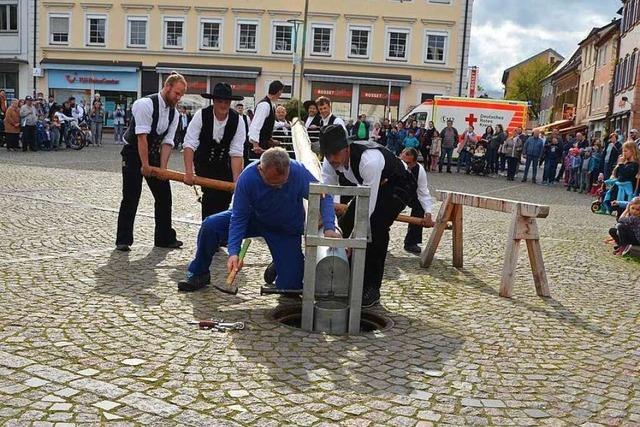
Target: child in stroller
478, 162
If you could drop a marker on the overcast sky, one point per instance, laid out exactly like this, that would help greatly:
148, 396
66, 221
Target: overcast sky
505, 32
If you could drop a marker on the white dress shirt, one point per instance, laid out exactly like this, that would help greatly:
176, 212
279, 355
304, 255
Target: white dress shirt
259, 116
424, 197
371, 165
142, 111
307, 123
192, 138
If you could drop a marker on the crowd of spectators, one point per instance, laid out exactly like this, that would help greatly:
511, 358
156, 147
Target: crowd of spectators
34, 124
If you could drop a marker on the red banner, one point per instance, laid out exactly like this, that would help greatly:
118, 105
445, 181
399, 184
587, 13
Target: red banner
377, 95
473, 82
336, 92
242, 87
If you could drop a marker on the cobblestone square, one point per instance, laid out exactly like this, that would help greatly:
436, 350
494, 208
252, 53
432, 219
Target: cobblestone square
91, 336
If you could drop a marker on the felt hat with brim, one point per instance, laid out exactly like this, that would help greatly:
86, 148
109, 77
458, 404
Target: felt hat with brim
309, 103
333, 138
222, 90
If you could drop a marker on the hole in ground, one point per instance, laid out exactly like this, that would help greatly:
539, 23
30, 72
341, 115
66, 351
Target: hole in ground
290, 315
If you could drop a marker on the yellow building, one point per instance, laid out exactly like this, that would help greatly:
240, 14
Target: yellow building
509, 75
354, 50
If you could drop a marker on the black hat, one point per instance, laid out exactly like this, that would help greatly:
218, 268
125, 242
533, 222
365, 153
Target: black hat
308, 104
222, 90
333, 138
28, 98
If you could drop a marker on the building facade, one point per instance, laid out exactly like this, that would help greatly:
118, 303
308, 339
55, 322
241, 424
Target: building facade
124, 49
565, 81
601, 95
548, 56
626, 115
16, 47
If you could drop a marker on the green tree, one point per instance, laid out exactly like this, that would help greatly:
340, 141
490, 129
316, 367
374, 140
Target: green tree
292, 106
527, 85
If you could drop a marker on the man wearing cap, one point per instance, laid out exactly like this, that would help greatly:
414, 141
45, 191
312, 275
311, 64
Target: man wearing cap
261, 127
313, 118
214, 144
268, 203
149, 140
392, 189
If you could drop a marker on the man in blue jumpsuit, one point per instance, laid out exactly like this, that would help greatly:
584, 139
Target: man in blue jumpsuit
267, 203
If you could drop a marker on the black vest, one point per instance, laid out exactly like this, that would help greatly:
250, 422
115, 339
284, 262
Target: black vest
267, 126
211, 158
154, 140
394, 174
317, 121
332, 119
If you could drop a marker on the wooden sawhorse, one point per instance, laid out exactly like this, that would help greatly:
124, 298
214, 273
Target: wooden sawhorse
523, 227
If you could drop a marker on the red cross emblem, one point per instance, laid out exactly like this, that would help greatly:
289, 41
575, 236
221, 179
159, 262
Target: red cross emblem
471, 119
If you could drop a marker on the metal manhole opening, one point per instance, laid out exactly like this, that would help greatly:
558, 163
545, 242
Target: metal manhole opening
290, 315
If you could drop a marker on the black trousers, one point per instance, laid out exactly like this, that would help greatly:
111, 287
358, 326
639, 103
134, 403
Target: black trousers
388, 206
512, 164
414, 232
623, 235
214, 201
13, 140
131, 189
29, 138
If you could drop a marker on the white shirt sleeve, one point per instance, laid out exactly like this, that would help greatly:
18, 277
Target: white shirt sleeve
142, 112
329, 175
236, 149
261, 113
192, 137
339, 121
371, 165
424, 197
168, 139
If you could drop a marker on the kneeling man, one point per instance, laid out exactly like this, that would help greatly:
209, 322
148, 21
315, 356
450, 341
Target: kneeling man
268, 203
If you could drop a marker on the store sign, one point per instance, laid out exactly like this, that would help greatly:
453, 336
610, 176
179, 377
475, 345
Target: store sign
98, 80
336, 92
196, 85
242, 87
378, 95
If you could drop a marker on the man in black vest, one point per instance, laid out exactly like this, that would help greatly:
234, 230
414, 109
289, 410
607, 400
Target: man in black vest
313, 118
392, 189
214, 144
421, 205
326, 115
149, 141
246, 120
261, 127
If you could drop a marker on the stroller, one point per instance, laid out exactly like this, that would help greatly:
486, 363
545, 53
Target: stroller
478, 162
625, 192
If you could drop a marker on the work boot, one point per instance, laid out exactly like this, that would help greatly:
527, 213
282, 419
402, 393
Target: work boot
370, 298
123, 248
414, 249
194, 282
270, 274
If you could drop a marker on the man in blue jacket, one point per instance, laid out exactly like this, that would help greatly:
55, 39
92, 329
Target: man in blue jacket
267, 203
532, 150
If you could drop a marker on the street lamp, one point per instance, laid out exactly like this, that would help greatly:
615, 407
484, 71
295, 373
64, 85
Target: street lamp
296, 23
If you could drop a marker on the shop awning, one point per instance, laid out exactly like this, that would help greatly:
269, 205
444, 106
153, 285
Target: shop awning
573, 129
360, 78
560, 124
598, 117
90, 65
209, 70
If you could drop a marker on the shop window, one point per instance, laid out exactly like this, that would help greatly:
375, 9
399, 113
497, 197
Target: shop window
210, 34
247, 36
9, 17
137, 31
282, 38
59, 29
359, 42
321, 40
397, 44
96, 30
436, 50
173, 33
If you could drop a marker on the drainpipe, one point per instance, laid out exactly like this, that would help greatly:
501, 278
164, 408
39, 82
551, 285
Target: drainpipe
35, 26
464, 44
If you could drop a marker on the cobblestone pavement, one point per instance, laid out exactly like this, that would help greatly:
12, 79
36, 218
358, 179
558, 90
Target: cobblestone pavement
89, 335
